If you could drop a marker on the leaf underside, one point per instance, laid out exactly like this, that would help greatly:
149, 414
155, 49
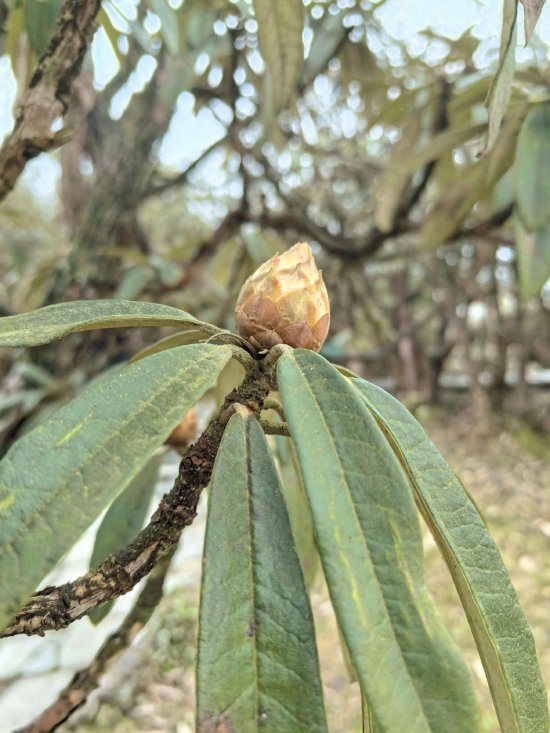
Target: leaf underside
54, 321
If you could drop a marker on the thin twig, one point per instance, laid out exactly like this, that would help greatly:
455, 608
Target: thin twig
49, 90
226, 229
272, 403
275, 428
57, 607
181, 178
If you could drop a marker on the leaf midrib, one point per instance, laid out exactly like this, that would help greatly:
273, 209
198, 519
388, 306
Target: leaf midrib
247, 483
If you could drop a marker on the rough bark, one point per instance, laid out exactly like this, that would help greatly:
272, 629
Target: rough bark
86, 681
49, 90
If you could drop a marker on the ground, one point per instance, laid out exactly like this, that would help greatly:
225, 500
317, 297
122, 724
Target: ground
506, 468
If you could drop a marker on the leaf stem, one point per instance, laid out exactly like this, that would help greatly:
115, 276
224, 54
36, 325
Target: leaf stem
245, 359
274, 428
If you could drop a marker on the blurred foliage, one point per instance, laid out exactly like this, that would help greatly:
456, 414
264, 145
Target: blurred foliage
367, 142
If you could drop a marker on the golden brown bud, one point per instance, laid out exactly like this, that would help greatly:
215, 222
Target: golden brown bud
285, 302
185, 432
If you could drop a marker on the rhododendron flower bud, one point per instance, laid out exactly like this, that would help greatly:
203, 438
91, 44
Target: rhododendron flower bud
285, 302
186, 430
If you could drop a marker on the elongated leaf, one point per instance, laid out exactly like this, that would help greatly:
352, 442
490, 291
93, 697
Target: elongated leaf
257, 665
298, 509
533, 253
169, 24
439, 145
369, 540
500, 90
56, 479
532, 10
122, 522
181, 338
51, 323
396, 176
329, 34
40, 17
280, 27
133, 282
111, 32
231, 376
14, 28
499, 627
532, 169
472, 184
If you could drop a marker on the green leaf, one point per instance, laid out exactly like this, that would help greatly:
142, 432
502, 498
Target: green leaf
298, 509
368, 536
181, 338
123, 520
533, 253
532, 10
500, 90
280, 27
230, 378
442, 144
14, 27
50, 323
134, 281
110, 31
57, 478
369, 723
169, 24
499, 627
40, 17
196, 22
257, 666
471, 184
396, 176
532, 168
329, 34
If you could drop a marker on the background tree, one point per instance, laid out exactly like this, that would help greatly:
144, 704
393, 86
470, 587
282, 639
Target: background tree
368, 148
431, 225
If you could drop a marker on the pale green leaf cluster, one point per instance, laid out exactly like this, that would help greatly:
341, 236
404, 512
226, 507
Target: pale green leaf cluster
532, 180
500, 90
280, 26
